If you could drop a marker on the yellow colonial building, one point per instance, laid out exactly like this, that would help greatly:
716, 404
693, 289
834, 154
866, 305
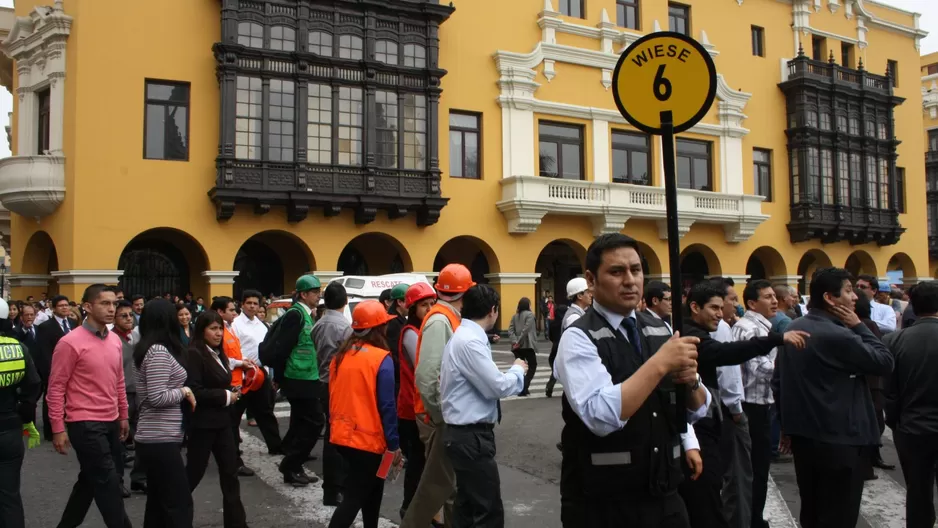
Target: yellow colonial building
214, 145
930, 108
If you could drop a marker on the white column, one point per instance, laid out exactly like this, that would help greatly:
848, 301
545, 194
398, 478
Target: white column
731, 165
25, 280
601, 146
512, 278
88, 276
517, 142
220, 277
57, 113
25, 131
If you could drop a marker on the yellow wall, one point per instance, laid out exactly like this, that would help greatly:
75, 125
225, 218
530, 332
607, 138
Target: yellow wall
113, 194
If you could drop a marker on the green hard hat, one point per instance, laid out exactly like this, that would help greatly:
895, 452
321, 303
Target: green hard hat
308, 282
399, 291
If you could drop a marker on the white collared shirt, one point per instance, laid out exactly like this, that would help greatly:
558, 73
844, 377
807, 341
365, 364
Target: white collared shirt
251, 333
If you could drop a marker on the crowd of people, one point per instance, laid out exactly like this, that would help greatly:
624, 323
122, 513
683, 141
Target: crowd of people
661, 428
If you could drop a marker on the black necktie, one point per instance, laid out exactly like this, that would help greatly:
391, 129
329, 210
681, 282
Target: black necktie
65, 326
632, 332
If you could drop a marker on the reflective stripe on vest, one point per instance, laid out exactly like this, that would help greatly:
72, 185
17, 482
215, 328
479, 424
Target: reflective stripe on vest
454, 321
232, 347
12, 362
405, 396
354, 420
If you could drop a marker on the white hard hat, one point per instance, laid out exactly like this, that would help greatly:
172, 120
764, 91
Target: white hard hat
576, 286
4, 309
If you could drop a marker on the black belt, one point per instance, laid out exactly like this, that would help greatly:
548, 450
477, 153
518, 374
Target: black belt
473, 427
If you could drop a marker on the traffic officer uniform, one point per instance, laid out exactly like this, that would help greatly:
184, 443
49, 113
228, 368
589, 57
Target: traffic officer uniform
19, 388
626, 476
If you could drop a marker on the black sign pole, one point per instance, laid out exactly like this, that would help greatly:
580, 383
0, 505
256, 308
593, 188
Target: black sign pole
674, 251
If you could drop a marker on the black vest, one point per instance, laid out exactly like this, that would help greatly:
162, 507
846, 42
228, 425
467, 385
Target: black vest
641, 460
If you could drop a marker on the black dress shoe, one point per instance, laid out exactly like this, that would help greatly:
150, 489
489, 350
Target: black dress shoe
138, 487
125, 492
299, 479
881, 464
332, 499
245, 471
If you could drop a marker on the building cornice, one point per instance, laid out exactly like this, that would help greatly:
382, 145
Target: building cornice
512, 278
87, 276
220, 277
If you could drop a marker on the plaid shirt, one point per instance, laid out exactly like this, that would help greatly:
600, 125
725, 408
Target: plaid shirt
757, 372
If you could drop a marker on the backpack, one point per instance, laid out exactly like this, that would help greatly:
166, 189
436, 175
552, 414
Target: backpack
271, 352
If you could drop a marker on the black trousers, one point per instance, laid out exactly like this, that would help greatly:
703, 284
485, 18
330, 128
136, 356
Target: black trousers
169, 503
46, 424
416, 455
306, 422
333, 465
260, 407
702, 497
918, 455
363, 489
830, 482
101, 457
639, 511
138, 475
529, 355
760, 432
471, 451
222, 445
11, 464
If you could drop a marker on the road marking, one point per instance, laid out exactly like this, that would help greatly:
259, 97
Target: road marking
883, 504
776, 509
308, 500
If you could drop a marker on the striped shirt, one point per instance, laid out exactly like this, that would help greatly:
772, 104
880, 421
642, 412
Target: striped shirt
160, 380
757, 372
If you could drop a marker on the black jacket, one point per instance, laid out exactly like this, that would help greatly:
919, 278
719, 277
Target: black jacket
712, 353
912, 390
209, 382
821, 392
47, 336
18, 401
29, 339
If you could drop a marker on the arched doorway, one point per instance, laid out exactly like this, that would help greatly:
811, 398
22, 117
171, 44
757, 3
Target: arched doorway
860, 263
900, 268
161, 261
470, 252
40, 258
651, 265
270, 262
765, 262
374, 254
558, 262
810, 262
697, 263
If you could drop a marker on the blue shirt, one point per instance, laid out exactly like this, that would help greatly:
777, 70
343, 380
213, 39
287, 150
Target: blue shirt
588, 385
470, 382
387, 404
780, 322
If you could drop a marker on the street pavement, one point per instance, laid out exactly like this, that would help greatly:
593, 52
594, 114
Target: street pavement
529, 468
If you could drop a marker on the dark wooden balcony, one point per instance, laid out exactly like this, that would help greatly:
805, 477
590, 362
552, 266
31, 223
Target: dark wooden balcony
831, 73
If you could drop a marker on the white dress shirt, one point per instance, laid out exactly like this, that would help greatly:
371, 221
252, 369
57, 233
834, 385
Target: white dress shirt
730, 377
251, 333
587, 384
884, 316
470, 382
41, 317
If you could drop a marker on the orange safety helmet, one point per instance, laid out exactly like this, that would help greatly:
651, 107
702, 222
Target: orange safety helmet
418, 292
369, 314
253, 379
454, 278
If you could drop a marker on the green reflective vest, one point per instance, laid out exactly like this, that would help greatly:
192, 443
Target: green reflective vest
303, 363
12, 362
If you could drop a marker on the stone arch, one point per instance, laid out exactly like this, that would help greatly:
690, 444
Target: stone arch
697, 262
271, 261
902, 262
374, 254
558, 262
471, 252
810, 262
861, 263
40, 258
163, 260
651, 264
765, 262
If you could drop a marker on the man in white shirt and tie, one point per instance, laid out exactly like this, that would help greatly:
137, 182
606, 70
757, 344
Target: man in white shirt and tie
47, 336
884, 316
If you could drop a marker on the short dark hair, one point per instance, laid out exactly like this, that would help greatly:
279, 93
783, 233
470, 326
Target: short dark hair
251, 293
138, 297
924, 298
123, 304
701, 293
655, 290
604, 243
334, 296
827, 280
59, 298
385, 295
91, 294
479, 301
722, 283
221, 303
874, 282
752, 290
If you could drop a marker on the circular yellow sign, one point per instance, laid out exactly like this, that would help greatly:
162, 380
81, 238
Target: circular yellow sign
660, 73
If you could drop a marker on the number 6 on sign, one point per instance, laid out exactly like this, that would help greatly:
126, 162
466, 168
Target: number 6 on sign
664, 72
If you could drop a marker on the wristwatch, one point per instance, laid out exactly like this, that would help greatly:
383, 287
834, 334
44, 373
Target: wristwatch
696, 384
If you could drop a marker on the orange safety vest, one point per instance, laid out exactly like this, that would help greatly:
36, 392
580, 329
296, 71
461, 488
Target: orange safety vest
354, 419
454, 321
231, 345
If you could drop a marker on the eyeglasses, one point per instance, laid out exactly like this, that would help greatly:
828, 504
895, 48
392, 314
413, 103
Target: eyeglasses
665, 299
